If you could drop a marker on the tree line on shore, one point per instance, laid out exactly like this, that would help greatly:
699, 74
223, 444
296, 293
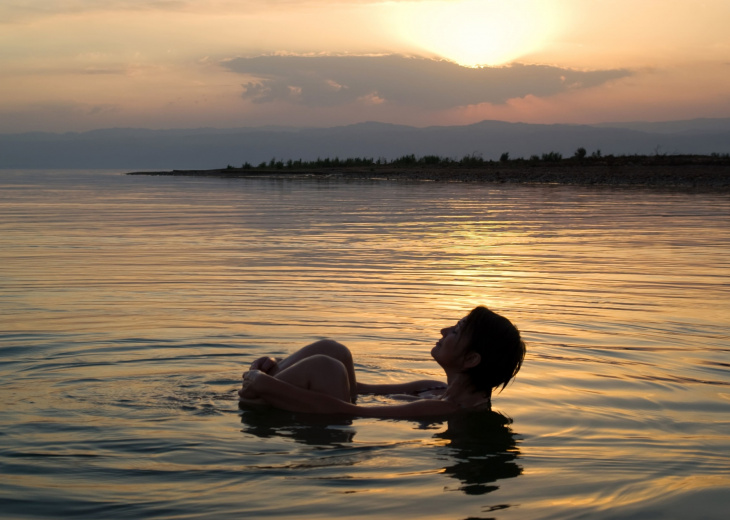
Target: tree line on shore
580, 156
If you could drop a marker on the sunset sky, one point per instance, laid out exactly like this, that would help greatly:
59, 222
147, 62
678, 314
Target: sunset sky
78, 65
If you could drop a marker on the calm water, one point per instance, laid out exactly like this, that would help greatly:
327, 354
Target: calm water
129, 306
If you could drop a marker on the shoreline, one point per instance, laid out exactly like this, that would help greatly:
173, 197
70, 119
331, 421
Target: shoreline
686, 172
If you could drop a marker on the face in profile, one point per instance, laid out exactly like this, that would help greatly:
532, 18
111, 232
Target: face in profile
450, 350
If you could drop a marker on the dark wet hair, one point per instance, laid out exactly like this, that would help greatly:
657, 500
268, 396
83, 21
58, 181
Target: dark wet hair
499, 345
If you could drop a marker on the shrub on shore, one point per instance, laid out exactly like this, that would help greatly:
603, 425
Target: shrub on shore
475, 160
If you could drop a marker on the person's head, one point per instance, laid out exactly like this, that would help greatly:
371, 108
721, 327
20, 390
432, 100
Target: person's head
499, 346
485, 346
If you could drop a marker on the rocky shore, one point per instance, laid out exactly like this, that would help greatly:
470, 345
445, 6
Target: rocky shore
686, 172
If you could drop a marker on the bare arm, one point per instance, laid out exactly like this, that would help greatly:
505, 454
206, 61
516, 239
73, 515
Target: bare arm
412, 387
281, 394
413, 410
284, 395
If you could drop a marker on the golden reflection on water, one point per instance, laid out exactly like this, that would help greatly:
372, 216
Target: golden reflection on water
131, 306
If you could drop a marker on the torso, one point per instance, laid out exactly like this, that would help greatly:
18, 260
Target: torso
439, 393
431, 393
427, 393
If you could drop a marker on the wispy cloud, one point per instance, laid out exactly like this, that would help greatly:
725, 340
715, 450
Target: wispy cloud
24, 10
319, 81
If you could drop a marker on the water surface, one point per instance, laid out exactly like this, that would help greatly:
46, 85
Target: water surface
129, 306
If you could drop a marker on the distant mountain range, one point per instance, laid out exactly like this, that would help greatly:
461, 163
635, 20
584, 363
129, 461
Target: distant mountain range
201, 148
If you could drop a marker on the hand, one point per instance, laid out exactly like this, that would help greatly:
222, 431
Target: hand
247, 388
266, 364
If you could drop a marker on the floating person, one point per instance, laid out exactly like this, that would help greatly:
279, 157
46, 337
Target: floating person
481, 352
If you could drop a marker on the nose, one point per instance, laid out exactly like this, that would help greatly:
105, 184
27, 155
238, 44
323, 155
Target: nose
445, 331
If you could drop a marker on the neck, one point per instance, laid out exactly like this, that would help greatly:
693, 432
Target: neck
461, 390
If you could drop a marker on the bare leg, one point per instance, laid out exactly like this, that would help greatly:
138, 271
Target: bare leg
328, 348
319, 373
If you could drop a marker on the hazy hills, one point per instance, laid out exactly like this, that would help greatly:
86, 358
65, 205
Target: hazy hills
214, 148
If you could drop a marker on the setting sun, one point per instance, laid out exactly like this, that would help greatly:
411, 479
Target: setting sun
476, 32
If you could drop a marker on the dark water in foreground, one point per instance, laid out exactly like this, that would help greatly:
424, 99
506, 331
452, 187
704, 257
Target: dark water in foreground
129, 307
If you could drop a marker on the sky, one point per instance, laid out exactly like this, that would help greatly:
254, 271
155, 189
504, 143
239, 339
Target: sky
78, 65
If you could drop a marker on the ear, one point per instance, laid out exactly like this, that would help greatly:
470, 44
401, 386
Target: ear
472, 359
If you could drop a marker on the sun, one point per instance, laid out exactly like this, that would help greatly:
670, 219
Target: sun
476, 32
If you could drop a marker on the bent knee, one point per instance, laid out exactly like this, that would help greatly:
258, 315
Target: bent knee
313, 367
332, 348
325, 363
325, 374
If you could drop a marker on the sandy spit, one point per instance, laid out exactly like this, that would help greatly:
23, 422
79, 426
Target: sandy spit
686, 172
